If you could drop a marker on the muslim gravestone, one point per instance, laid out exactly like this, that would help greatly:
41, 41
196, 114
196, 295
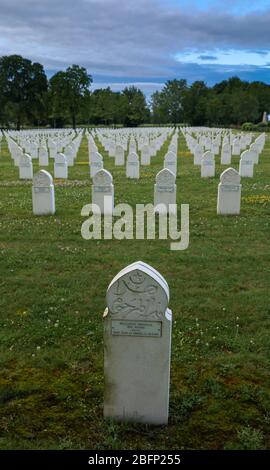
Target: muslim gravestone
229, 192
43, 194
165, 192
26, 167
103, 191
137, 346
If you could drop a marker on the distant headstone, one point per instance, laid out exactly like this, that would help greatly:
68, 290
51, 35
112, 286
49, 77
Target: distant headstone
119, 155
69, 154
229, 192
246, 166
96, 163
43, 194
208, 165
132, 146
226, 154
133, 166
103, 191
236, 150
111, 149
43, 156
170, 162
25, 167
137, 346
34, 150
145, 155
53, 149
60, 166
255, 148
198, 154
165, 192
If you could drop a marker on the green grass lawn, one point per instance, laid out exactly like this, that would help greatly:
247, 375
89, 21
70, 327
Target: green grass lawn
52, 297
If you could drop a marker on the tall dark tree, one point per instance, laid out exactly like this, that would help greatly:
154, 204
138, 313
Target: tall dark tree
160, 112
67, 92
195, 103
134, 107
23, 86
174, 94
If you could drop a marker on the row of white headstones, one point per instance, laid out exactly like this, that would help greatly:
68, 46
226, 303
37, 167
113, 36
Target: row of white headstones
133, 161
164, 194
229, 191
50, 145
206, 160
38, 149
228, 202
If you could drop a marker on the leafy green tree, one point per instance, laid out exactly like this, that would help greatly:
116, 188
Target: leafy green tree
215, 112
245, 108
262, 92
160, 113
68, 90
134, 107
174, 94
23, 86
195, 103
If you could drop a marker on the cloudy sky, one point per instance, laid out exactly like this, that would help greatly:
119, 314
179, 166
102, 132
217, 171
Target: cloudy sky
143, 42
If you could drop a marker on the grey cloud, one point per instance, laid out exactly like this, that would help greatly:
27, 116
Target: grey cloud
122, 37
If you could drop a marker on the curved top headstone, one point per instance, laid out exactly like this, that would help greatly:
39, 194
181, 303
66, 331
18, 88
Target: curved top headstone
138, 292
230, 176
248, 154
165, 177
208, 156
25, 160
60, 158
170, 156
102, 178
96, 157
42, 179
226, 147
133, 157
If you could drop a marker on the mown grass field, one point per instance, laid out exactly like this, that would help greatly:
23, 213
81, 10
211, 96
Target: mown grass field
52, 297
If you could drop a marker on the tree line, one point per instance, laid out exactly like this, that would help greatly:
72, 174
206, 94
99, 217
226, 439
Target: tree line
29, 98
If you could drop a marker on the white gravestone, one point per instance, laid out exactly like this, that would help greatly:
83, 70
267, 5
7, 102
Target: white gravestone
198, 154
132, 146
229, 192
145, 155
69, 154
43, 194
137, 346
236, 147
43, 156
119, 155
226, 154
111, 150
133, 166
170, 162
246, 166
103, 191
34, 150
25, 167
208, 165
53, 149
96, 163
165, 192
60, 166
256, 152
